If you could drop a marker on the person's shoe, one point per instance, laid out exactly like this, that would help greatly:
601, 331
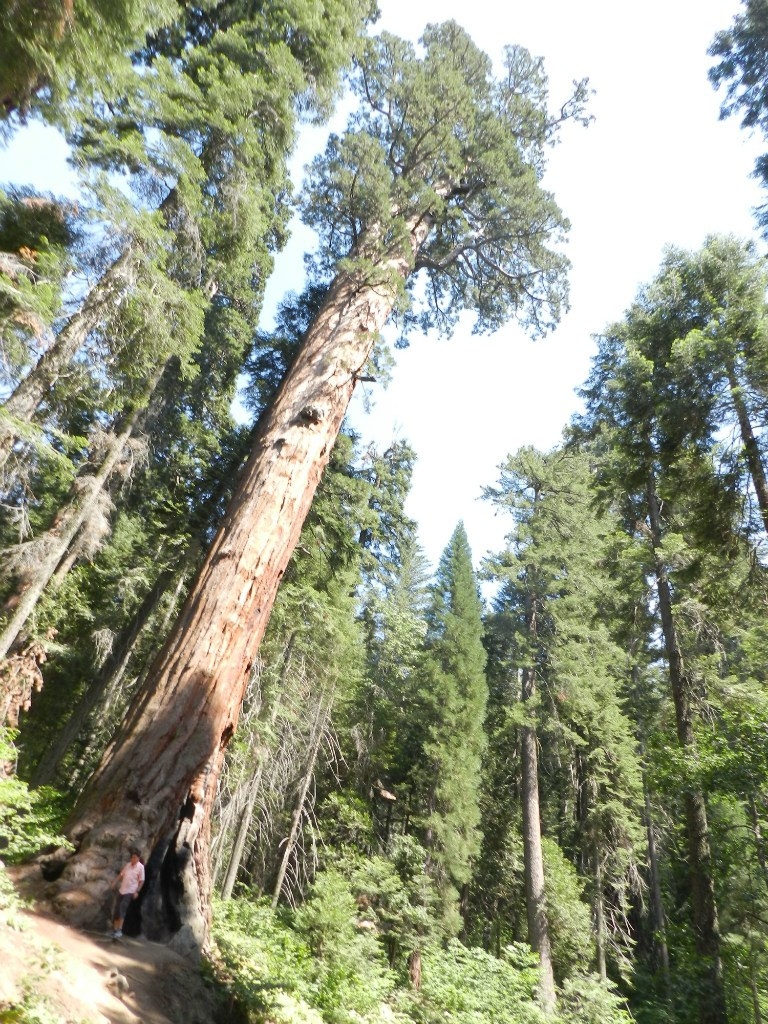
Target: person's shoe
117, 934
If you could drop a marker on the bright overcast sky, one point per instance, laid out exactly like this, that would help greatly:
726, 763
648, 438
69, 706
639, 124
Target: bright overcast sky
656, 167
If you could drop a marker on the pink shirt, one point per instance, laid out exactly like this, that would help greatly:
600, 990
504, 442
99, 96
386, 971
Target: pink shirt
131, 878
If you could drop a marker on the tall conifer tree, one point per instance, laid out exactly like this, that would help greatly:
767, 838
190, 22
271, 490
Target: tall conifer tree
454, 694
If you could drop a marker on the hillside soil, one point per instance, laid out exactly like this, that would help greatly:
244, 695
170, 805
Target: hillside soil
58, 974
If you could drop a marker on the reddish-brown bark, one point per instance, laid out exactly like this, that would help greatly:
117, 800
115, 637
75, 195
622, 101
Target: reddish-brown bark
156, 783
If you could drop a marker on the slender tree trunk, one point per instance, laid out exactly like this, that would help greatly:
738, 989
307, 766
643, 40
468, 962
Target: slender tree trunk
319, 728
751, 448
21, 406
56, 542
109, 675
533, 857
157, 782
758, 834
600, 931
658, 917
712, 1008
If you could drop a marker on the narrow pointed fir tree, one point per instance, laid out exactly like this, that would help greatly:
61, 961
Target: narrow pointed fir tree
453, 695
440, 172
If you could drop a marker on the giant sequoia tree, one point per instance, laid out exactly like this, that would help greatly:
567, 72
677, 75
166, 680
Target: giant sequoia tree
440, 172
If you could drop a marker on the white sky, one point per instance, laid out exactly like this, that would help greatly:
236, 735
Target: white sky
656, 167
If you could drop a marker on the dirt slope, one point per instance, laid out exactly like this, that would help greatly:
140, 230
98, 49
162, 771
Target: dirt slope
86, 978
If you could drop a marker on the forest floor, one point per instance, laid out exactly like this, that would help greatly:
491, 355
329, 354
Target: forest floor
52, 973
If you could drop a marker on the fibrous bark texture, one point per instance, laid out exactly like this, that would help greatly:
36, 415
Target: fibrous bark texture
157, 781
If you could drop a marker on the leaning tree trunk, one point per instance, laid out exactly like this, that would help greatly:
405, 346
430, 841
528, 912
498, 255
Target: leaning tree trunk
54, 545
711, 992
23, 403
157, 782
752, 452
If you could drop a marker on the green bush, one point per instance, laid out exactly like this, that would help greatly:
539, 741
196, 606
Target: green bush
30, 819
317, 964
350, 977
588, 1000
469, 986
265, 964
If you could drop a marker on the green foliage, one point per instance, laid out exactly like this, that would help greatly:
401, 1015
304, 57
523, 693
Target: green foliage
37, 238
29, 819
10, 902
552, 616
319, 958
453, 694
437, 139
350, 977
397, 897
590, 1000
263, 958
182, 141
469, 986
51, 51
324, 963
567, 913
741, 68
672, 384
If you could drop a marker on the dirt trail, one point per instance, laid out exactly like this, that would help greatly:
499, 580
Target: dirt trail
89, 979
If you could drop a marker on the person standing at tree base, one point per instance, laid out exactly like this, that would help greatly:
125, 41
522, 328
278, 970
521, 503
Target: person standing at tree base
128, 884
